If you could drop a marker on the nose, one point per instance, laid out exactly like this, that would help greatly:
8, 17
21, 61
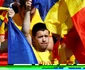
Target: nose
43, 39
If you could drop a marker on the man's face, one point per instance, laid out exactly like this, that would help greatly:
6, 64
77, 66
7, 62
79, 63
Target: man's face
42, 39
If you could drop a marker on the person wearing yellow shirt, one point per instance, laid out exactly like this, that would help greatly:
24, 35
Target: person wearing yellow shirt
40, 37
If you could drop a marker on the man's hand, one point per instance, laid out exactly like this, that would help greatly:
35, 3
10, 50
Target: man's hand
28, 4
11, 13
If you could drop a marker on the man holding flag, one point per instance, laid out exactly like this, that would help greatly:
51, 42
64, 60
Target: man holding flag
26, 28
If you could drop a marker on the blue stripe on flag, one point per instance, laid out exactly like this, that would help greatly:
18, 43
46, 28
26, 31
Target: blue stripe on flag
43, 6
19, 50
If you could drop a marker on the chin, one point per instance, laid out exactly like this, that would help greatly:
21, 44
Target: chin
44, 48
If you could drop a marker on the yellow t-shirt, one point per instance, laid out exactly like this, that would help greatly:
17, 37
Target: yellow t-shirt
43, 57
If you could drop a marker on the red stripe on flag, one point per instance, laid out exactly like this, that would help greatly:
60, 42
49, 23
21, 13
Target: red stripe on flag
55, 50
73, 42
75, 39
2, 34
6, 34
79, 23
1, 2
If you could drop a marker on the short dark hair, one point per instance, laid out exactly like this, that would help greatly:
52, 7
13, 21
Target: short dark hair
22, 3
38, 27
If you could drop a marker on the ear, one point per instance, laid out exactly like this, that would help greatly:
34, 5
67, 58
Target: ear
33, 41
33, 38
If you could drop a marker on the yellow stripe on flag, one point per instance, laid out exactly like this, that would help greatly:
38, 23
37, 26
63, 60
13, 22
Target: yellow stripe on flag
75, 5
58, 19
3, 8
4, 18
2, 31
51, 19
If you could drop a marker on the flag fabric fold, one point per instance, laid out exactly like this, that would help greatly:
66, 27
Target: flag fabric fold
1, 2
3, 23
43, 6
19, 50
77, 14
70, 22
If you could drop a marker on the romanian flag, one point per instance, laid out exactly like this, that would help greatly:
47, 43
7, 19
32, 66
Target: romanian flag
76, 10
43, 6
68, 20
56, 22
19, 50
